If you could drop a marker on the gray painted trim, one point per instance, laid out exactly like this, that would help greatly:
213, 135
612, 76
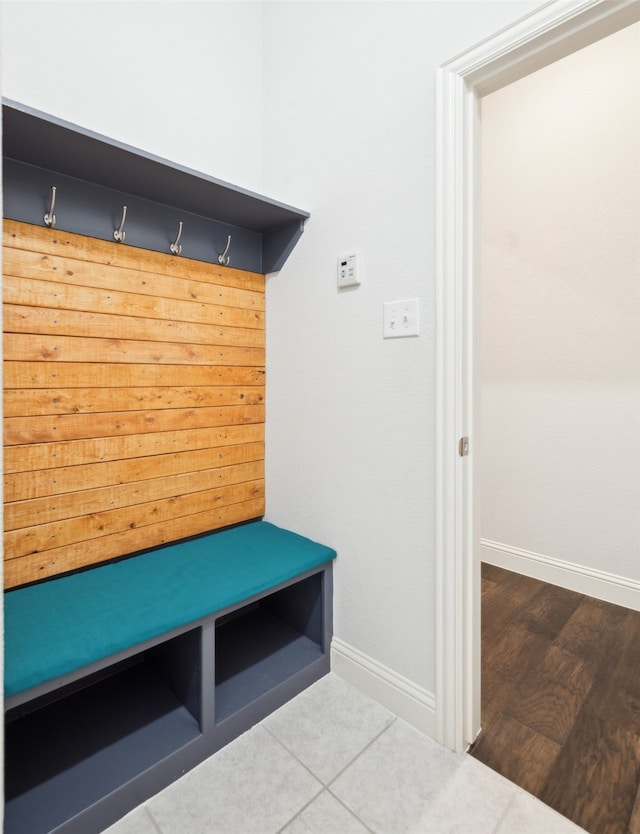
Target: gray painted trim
157, 192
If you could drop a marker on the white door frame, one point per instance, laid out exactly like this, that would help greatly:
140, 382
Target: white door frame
554, 30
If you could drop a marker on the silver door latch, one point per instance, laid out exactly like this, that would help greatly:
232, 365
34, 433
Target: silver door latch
463, 447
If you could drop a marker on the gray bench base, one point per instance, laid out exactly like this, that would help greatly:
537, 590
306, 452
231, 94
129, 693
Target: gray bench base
83, 750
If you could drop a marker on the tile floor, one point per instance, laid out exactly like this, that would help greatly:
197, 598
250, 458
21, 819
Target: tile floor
331, 761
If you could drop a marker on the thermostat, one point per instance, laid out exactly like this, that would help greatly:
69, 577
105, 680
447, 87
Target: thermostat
349, 270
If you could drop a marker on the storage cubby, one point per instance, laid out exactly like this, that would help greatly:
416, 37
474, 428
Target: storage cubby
262, 645
66, 751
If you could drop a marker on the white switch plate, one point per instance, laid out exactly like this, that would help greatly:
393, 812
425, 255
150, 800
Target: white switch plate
400, 318
349, 270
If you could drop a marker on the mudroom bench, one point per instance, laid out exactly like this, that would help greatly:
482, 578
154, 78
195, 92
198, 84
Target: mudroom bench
120, 678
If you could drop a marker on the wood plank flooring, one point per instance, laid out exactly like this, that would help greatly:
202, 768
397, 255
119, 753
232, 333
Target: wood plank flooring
561, 699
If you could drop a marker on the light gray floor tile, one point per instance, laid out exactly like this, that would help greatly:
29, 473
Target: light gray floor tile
401, 783
389, 787
325, 815
473, 798
252, 786
137, 822
328, 725
527, 815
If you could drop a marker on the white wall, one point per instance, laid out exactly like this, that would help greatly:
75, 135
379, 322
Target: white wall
329, 106
182, 80
349, 135
561, 311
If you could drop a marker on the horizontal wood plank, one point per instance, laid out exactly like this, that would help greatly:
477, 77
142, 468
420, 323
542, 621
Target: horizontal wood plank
38, 566
95, 525
42, 401
18, 375
29, 348
21, 486
111, 280
30, 293
58, 243
30, 513
96, 450
45, 321
28, 430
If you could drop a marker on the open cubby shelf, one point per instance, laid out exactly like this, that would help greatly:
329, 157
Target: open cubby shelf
263, 644
89, 744
84, 753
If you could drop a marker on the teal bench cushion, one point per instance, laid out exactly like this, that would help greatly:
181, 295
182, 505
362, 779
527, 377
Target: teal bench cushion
61, 625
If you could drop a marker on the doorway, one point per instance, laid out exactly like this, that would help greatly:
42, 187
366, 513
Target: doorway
559, 309
554, 31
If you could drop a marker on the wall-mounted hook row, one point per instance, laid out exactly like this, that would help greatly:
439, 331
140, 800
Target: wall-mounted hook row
223, 259
176, 246
50, 218
120, 233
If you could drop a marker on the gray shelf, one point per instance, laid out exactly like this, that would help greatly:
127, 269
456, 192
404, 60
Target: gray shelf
98, 175
255, 653
66, 757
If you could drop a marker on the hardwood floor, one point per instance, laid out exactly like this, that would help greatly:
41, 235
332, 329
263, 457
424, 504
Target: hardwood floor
561, 699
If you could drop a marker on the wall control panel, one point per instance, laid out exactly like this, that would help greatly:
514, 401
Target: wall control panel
349, 270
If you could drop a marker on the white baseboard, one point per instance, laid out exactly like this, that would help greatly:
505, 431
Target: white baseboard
594, 583
398, 694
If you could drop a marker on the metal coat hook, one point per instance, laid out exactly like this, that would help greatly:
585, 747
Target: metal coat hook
176, 247
120, 233
50, 218
223, 259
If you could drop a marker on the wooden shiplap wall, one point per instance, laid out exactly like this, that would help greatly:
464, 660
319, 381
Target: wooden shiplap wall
133, 400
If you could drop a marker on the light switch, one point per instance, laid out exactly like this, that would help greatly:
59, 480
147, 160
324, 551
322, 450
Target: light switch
400, 318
